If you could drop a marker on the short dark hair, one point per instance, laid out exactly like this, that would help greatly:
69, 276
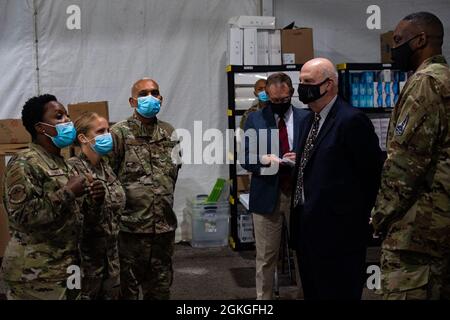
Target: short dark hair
429, 23
33, 110
279, 78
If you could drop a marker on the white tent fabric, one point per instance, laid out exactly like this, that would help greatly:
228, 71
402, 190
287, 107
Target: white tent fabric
17, 66
181, 44
339, 26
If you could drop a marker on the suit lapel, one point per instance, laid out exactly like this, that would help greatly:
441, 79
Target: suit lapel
305, 132
296, 127
269, 124
269, 118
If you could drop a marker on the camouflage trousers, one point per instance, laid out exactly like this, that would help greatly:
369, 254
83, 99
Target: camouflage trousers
101, 268
146, 263
100, 288
410, 275
34, 290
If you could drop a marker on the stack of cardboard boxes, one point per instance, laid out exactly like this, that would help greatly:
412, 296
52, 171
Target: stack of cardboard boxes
254, 40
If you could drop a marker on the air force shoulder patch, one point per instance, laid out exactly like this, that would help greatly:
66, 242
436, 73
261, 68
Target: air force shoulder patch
401, 126
17, 194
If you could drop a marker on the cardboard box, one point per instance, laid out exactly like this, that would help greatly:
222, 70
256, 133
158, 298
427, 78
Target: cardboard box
243, 183
13, 131
386, 43
235, 46
255, 22
10, 149
100, 107
298, 42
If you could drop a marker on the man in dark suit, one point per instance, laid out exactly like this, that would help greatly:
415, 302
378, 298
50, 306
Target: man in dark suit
270, 157
336, 178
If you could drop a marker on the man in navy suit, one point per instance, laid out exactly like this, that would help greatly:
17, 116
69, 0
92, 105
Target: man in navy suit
275, 131
336, 179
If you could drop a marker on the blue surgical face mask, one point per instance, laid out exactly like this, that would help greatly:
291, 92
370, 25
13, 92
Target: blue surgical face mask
103, 144
148, 106
262, 96
66, 134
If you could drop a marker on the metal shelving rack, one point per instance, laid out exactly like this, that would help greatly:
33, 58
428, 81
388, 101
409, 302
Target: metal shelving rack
344, 71
345, 91
232, 112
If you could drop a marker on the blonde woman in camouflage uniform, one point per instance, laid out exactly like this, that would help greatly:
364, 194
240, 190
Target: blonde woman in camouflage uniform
101, 210
44, 217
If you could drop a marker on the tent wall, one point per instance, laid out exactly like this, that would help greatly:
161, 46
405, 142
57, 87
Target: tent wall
339, 26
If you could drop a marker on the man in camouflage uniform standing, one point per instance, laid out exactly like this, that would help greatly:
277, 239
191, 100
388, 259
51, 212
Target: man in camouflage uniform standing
262, 99
142, 160
412, 211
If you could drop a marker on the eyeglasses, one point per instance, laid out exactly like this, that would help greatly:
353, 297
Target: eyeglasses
281, 100
155, 93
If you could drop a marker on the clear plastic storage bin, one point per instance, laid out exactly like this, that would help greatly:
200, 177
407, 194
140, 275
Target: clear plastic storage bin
209, 222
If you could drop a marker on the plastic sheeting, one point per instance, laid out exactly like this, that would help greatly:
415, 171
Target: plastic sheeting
17, 63
180, 44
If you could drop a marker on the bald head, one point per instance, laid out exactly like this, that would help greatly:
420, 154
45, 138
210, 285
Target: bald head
143, 88
143, 84
320, 71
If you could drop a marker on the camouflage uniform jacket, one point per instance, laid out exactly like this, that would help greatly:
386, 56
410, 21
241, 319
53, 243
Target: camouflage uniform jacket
142, 159
100, 221
44, 218
413, 205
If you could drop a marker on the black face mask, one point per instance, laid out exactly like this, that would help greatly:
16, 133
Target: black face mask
308, 93
280, 108
402, 55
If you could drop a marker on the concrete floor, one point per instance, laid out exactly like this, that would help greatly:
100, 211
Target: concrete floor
223, 274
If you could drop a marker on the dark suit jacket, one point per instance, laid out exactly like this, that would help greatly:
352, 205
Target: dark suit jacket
264, 189
341, 180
